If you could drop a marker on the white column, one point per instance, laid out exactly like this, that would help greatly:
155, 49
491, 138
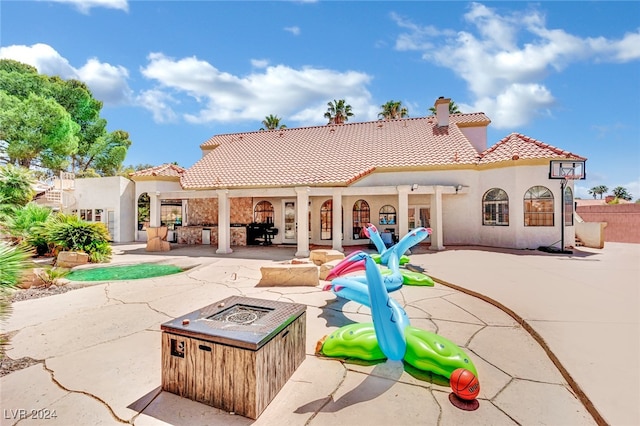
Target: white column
337, 219
437, 241
224, 214
154, 209
403, 210
302, 213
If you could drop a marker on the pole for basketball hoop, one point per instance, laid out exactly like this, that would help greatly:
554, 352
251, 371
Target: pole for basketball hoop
563, 185
564, 170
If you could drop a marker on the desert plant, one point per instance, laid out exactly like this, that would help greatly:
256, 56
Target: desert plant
67, 232
14, 260
16, 185
51, 275
23, 225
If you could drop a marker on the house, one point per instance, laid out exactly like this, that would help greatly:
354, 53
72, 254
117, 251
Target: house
109, 200
321, 185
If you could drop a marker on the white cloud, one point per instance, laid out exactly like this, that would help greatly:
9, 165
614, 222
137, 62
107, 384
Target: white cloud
295, 30
42, 56
84, 6
158, 102
505, 74
300, 95
259, 63
107, 82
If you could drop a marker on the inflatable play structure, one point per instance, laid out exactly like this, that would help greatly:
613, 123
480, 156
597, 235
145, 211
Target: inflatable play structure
390, 335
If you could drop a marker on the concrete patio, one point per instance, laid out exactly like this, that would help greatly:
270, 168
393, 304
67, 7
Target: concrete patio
98, 347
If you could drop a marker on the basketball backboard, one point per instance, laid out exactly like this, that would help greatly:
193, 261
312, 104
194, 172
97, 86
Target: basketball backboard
567, 169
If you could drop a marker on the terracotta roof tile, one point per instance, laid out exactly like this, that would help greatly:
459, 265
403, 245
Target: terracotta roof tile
339, 155
519, 146
328, 155
168, 170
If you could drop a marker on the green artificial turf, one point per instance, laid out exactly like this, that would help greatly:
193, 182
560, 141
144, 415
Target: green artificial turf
126, 272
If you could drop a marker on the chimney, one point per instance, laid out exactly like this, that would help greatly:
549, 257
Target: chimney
442, 111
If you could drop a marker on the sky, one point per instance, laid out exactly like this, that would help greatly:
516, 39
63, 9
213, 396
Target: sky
175, 73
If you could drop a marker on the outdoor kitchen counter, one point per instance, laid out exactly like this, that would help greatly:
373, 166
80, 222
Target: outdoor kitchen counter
197, 234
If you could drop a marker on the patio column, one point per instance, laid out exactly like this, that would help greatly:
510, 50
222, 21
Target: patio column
337, 219
437, 241
403, 210
302, 204
154, 209
224, 213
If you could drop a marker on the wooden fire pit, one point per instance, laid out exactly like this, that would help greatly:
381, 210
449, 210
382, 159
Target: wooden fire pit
235, 354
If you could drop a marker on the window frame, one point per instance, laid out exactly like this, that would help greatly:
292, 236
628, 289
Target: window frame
326, 220
265, 214
389, 212
500, 210
567, 209
361, 216
545, 211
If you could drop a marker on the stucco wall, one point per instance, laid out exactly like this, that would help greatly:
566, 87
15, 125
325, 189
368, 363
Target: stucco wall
515, 181
114, 193
462, 212
623, 221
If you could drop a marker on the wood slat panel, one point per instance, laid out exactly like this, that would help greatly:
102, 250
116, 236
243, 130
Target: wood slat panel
230, 378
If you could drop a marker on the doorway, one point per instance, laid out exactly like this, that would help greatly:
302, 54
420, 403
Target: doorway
419, 216
289, 235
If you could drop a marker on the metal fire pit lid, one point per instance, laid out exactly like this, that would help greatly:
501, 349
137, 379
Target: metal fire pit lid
237, 321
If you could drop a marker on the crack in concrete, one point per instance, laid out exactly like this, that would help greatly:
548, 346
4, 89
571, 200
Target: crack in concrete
90, 395
329, 398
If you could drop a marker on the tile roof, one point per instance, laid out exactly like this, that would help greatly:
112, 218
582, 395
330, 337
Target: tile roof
518, 146
330, 154
338, 155
167, 170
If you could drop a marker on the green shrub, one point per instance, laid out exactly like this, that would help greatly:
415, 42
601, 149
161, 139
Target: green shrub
67, 232
25, 225
14, 260
16, 185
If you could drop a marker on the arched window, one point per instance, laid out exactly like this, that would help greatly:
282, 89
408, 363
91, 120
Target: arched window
361, 216
387, 215
144, 210
495, 207
263, 212
538, 207
568, 206
326, 220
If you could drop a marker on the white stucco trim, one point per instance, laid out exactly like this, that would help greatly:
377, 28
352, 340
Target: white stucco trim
302, 205
224, 222
337, 220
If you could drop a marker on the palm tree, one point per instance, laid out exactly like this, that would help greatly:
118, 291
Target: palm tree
338, 112
598, 190
272, 122
393, 110
621, 193
453, 109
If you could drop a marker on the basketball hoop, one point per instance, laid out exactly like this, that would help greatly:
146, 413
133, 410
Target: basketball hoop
565, 170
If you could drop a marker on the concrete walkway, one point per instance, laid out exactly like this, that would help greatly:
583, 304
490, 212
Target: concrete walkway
585, 307
99, 347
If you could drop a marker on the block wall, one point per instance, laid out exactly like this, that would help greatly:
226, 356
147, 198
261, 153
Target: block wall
623, 221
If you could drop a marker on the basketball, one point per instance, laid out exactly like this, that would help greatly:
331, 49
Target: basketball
464, 384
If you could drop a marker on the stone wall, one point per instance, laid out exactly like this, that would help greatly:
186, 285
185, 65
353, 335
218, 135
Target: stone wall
190, 235
193, 235
238, 236
241, 210
623, 220
204, 211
